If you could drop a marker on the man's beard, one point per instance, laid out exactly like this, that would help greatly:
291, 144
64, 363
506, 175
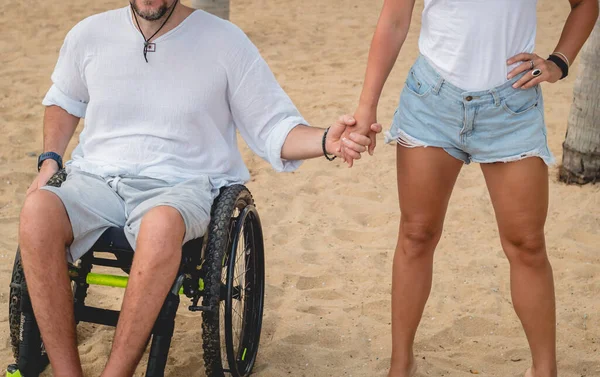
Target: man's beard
150, 15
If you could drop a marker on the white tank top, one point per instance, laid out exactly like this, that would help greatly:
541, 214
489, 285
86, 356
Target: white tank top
469, 41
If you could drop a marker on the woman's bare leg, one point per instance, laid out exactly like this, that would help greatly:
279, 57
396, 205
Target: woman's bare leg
426, 177
519, 192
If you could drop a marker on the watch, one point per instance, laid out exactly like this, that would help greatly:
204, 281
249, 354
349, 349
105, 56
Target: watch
50, 156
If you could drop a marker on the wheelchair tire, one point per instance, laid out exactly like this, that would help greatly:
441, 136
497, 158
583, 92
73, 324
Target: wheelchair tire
15, 315
231, 337
16, 319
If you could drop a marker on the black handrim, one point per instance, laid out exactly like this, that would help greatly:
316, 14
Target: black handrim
244, 292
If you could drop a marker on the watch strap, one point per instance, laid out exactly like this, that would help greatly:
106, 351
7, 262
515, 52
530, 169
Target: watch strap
50, 156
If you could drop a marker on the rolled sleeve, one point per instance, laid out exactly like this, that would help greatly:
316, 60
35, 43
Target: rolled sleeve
261, 110
275, 143
69, 90
55, 97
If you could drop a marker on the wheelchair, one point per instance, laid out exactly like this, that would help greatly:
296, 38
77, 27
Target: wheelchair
226, 268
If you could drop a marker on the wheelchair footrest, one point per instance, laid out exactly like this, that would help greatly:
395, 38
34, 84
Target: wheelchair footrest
200, 308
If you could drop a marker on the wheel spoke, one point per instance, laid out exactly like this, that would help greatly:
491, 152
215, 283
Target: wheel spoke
242, 273
238, 314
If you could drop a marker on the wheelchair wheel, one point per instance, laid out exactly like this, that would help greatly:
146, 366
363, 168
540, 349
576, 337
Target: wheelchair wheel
22, 325
234, 285
24, 333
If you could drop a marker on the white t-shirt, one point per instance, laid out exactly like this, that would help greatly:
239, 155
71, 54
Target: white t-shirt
175, 117
469, 41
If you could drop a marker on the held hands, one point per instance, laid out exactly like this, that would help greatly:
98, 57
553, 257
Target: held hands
366, 120
49, 168
540, 70
347, 141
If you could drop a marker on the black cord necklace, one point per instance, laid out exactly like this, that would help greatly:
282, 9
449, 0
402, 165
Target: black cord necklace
147, 45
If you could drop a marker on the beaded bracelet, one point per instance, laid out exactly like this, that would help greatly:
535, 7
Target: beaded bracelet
324, 149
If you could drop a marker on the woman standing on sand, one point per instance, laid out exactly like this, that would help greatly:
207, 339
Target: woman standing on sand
473, 95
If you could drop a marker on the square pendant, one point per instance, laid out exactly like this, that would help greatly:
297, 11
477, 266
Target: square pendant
151, 47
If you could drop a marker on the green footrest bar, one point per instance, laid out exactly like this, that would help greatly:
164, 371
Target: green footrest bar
107, 280
119, 281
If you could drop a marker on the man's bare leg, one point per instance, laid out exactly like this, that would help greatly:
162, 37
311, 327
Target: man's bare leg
519, 192
155, 265
44, 233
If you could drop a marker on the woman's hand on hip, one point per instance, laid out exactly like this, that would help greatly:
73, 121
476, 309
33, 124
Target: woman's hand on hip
538, 70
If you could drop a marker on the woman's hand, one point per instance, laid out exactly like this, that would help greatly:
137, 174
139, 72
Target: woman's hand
344, 135
365, 120
548, 70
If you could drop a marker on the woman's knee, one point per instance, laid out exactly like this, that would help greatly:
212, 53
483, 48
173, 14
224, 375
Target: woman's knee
525, 248
419, 239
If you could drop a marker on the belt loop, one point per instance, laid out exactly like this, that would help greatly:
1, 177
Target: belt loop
438, 86
494, 94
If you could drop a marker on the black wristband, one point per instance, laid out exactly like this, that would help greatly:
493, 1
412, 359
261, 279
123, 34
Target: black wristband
564, 67
323, 145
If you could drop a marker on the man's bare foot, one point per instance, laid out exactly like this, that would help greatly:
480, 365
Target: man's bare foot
401, 372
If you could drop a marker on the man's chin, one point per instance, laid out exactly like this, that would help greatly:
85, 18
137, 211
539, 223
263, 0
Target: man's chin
150, 13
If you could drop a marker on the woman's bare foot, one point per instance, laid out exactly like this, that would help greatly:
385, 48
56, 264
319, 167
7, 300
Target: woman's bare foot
411, 371
532, 372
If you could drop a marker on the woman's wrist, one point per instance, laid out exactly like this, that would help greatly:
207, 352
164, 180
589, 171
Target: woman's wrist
367, 111
368, 101
367, 106
563, 57
560, 64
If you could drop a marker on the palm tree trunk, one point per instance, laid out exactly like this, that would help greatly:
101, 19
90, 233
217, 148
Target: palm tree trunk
219, 8
581, 149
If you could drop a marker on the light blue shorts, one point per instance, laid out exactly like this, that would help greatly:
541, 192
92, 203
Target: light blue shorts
502, 124
95, 204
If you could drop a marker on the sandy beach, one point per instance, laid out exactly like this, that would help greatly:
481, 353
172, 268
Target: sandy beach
330, 231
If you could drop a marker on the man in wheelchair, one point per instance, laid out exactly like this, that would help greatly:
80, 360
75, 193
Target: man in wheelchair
163, 89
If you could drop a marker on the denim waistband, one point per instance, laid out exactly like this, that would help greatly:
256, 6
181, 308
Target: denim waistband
424, 71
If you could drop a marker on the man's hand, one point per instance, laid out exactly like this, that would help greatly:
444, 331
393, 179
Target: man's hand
365, 119
49, 168
344, 141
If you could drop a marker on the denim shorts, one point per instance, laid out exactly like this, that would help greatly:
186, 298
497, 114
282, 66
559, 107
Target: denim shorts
502, 124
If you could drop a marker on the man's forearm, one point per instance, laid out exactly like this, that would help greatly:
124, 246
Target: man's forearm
303, 142
59, 127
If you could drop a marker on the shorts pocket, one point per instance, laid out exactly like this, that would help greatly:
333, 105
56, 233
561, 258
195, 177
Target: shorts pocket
417, 86
522, 101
